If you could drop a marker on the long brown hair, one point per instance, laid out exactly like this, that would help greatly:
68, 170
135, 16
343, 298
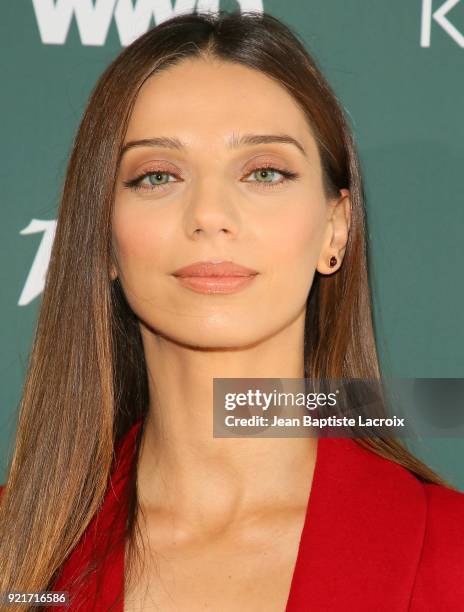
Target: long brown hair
86, 382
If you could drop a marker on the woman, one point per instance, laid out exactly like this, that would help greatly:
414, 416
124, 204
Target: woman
212, 138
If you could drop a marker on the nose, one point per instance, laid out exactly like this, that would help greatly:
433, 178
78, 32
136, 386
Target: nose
212, 210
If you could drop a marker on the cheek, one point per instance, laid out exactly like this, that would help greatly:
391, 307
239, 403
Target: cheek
295, 240
295, 237
138, 243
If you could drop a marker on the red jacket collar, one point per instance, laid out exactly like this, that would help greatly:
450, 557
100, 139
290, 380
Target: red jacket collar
360, 543
363, 534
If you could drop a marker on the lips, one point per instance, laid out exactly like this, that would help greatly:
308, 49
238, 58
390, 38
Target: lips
206, 269
215, 277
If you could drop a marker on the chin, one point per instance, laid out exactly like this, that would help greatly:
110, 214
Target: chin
231, 336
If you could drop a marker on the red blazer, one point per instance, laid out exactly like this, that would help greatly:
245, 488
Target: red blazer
374, 538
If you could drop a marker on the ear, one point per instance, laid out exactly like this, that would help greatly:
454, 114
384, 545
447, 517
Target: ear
336, 234
113, 272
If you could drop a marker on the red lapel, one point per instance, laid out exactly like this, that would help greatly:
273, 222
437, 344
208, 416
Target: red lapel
363, 533
359, 547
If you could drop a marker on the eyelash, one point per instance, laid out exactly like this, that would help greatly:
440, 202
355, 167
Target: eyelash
135, 184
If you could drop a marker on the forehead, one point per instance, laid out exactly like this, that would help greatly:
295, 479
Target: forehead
209, 99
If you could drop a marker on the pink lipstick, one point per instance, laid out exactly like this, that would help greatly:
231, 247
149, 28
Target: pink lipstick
215, 276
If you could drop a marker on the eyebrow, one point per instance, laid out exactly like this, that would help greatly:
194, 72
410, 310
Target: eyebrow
233, 143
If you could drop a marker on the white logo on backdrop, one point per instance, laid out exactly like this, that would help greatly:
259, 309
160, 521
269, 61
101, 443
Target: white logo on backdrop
35, 281
132, 19
440, 16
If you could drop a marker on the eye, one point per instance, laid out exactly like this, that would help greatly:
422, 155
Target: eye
266, 173
155, 180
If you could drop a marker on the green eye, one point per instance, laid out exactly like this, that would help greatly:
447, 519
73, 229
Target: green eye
156, 179
154, 176
265, 173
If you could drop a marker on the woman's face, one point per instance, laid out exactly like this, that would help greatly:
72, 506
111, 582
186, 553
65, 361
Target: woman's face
207, 200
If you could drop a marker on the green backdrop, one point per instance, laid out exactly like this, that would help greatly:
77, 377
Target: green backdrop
397, 68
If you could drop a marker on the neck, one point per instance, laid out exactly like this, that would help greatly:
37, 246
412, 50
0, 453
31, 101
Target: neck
210, 481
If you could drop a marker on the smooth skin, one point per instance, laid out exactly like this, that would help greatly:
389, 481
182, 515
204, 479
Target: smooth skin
223, 516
